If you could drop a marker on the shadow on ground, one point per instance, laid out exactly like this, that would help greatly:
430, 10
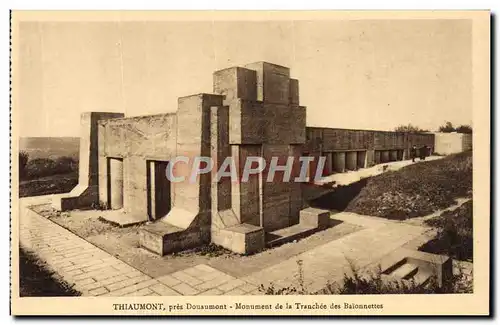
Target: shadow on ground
340, 197
36, 280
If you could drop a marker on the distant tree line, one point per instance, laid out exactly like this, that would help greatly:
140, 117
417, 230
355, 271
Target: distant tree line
409, 128
446, 128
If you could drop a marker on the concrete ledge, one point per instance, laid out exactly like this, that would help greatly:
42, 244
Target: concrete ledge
162, 238
316, 218
242, 239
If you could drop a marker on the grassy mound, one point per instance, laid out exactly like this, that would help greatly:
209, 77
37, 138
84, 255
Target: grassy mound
454, 236
416, 190
60, 183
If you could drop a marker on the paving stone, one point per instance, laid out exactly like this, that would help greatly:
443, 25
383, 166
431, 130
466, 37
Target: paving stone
211, 275
211, 292
97, 266
73, 272
163, 290
132, 273
142, 292
231, 285
235, 292
205, 268
131, 288
98, 291
62, 263
248, 287
185, 289
111, 273
85, 281
114, 279
186, 278
90, 286
194, 272
221, 279
91, 274
168, 280
126, 283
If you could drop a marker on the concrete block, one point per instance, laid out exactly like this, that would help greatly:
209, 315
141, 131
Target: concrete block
273, 82
313, 217
449, 143
294, 92
193, 140
351, 160
235, 83
242, 239
86, 194
162, 238
370, 158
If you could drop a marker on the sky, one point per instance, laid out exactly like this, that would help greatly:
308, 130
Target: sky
363, 74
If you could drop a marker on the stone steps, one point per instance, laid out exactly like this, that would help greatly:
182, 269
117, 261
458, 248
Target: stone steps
405, 271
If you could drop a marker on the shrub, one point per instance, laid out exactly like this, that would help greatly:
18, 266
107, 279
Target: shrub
373, 283
454, 237
447, 128
42, 167
409, 128
23, 161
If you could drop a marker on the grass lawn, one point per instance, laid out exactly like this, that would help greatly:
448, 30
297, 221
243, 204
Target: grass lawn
36, 280
416, 190
60, 183
454, 236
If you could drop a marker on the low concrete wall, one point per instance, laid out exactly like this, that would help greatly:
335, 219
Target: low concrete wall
449, 143
380, 146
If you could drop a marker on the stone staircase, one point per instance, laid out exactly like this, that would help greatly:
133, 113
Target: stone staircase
408, 272
414, 266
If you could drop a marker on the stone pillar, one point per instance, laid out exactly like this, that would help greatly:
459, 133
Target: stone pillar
115, 183
361, 159
152, 190
400, 154
328, 163
384, 156
393, 155
339, 162
86, 194
351, 160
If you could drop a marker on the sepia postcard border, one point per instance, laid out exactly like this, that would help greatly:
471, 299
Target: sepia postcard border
477, 303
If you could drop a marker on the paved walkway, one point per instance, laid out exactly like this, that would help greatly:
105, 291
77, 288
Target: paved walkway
329, 262
95, 272
350, 177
